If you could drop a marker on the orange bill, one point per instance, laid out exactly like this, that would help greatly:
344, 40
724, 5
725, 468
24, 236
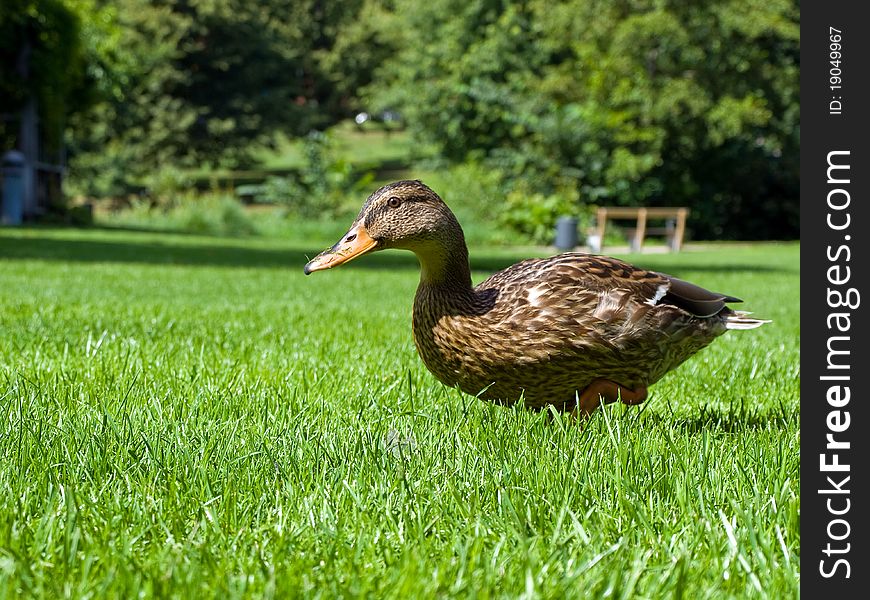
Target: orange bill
355, 242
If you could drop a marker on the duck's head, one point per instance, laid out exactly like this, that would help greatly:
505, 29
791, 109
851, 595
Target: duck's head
404, 214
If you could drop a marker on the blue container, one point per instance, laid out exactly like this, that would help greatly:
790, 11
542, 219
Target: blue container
12, 207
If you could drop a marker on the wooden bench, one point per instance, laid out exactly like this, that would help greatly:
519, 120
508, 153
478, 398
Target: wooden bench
673, 232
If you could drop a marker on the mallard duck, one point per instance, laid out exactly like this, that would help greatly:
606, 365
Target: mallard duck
571, 331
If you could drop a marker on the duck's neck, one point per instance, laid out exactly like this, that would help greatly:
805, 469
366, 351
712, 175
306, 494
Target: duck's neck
444, 268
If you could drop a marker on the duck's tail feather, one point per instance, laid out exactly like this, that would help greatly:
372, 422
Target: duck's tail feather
740, 319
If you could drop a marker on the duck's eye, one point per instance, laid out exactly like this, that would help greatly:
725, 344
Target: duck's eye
393, 202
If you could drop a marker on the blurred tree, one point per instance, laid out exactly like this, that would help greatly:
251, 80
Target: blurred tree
191, 83
637, 101
41, 59
363, 38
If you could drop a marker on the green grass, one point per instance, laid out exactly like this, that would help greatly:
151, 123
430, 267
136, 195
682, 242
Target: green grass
190, 416
369, 146
388, 154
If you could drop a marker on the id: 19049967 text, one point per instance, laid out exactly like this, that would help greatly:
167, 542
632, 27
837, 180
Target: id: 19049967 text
835, 72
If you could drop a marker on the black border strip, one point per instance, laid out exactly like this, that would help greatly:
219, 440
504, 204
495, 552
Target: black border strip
835, 300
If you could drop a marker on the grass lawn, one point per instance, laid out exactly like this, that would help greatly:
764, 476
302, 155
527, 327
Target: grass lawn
387, 153
190, 416
369, 145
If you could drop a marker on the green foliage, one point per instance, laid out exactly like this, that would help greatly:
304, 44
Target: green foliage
41, 58
364, 40
193, 83
211, 214
277, 191
370, 146
325, 186
493, 208
534, 215
472, 190
231, 217
635, 102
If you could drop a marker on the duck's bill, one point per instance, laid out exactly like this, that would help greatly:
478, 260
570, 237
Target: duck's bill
355, 242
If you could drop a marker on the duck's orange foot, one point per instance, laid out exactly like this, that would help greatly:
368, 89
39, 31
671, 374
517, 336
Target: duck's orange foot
606, 391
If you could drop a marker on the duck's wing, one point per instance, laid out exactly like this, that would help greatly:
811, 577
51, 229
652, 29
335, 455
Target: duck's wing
694, 299
607, 285
595, 314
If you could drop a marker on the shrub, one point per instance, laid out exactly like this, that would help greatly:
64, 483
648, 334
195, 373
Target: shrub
326, 187
213, 214
474, 193
533, 215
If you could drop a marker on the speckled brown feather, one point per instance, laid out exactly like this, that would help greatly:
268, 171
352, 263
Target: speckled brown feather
545, 329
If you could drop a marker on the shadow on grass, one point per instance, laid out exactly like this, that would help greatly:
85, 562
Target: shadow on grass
102, 251
733, 419
235, 254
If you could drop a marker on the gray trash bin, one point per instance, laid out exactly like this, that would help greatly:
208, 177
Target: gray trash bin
566, 233
12, 206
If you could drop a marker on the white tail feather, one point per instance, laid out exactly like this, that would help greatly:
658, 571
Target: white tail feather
740, 320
